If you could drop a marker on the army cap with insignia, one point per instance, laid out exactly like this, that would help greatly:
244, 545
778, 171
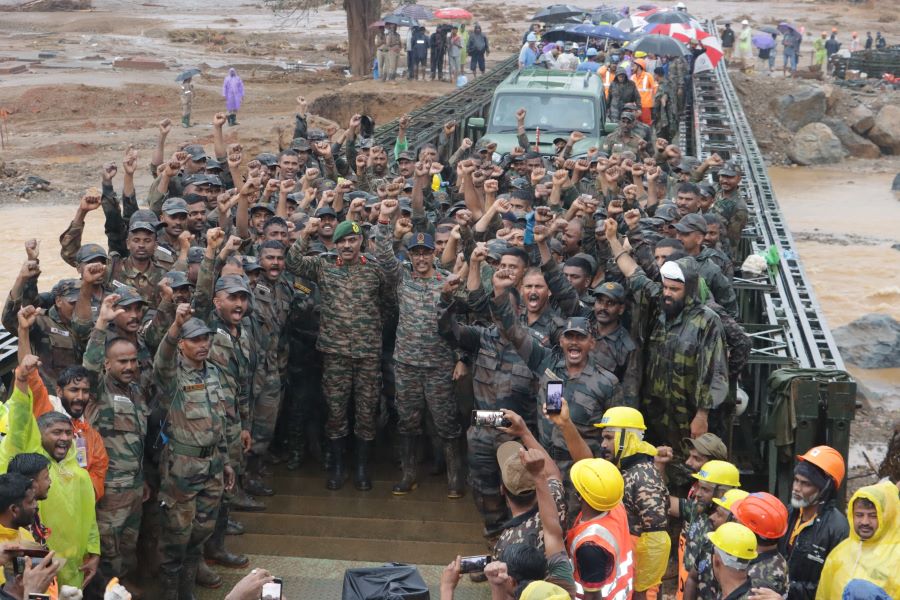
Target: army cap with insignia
213, 165
267, 159
178, 279
365, 143
194, 328
420, 240
232, 284
142, 226
300, 145
730, 169
196, 152
577, 325
325, 211
262, 206
691, 223
174, 206
496, 247
195, 254
214, 180
667, 212
89, 252
405, 205
316, 135
405, 155
251, 263
456, 208
196, 179
128, 296
67, 289
344, 229
610, 289
146, 215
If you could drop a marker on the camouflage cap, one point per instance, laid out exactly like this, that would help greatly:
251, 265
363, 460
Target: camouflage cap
128, 296
730, 169
267, 159
691, 223
667, 212
300, 145
195, 254
194, 328
344, 229
706, 189
251, 263
196, 179
577, 325
178, 279
67, 289
214, 180
174, 206
196, 152
405, 205
146, 215
405, 155
213, 165
89, 252
456, 208
263, 206
325, 211
232, 284
515, 476
316, 135
708, 444
420, 240
365, 143
610, 289
496, 247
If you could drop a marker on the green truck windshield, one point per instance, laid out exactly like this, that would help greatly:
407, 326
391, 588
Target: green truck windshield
549, 112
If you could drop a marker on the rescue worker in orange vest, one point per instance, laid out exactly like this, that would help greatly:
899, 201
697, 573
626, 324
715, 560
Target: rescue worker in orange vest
646, 86
599, 542
607, 73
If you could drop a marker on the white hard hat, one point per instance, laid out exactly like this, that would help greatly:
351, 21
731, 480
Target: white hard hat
680, 5
745, 22
531, 38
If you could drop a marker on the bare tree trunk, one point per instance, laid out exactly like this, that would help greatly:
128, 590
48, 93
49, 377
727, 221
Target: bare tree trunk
361, 39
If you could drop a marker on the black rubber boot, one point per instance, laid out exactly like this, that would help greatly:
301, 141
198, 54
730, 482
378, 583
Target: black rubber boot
361, 479
241, 501
214, 549
207, 578
408, 464
168, 585
335, 464
456, 487
254, 484
187, 579
234, 527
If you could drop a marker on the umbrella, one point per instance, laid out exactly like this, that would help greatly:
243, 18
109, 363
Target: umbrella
414, 11
187, 74
378, 23
558, 12
682, 32
607, 15
455, 14
400, 21
769, 29
670, 16
709, 59
647, 7
786, 28
602, 31
630, 23
563, 33
763, 41
661, 45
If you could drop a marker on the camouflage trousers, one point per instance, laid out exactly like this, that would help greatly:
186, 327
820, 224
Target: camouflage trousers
119, 522
236, 457
302, 415
484, 477
268, 390
344, 377
421, 387
190, 496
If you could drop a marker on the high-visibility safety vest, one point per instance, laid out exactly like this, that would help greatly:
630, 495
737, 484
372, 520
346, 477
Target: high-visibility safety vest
610, 532
646, 86
608, 75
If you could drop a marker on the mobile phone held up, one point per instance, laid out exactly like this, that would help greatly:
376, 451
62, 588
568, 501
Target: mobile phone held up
272, 590
554, 397
473, 564
490, 418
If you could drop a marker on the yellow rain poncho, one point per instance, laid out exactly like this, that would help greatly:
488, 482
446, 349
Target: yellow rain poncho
69, 508
876, 559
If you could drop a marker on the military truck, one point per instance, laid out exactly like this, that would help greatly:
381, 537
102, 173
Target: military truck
556, 102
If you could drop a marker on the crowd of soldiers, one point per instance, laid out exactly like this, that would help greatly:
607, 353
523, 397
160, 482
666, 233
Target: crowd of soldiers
258, 310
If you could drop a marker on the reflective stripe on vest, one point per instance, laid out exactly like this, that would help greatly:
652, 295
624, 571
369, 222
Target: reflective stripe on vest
624, 564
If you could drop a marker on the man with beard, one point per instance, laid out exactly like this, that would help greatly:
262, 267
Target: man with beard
815, 523
195, 461
18, 507
69, 508
355, 298
196, 218
686, 371
590, 386
73, 392
119, 413
729, 204
35, 467
422, 358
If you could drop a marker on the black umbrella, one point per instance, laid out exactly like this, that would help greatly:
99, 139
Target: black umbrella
661, 45
558, 12
669, 16
606, 15
400, 21
769, 29
562, 33
187, 74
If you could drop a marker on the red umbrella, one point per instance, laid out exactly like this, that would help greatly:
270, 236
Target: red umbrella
454, 14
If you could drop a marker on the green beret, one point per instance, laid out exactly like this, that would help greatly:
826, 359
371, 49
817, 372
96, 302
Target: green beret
344, 229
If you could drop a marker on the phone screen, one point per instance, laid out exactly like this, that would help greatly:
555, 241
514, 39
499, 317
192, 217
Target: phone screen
554, 397
272, 591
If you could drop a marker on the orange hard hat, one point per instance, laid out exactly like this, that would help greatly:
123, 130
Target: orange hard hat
763, 514
854, 34
642, 62
829, 460
834, 30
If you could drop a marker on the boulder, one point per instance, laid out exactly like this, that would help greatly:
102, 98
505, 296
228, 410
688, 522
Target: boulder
801, 107
886, 130
861, 119
870, 342
815, 144
833, 96
856, 145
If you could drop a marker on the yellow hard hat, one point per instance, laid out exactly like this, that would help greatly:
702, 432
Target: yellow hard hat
624, 417
719, 472
598, 482
730, 497
735, 540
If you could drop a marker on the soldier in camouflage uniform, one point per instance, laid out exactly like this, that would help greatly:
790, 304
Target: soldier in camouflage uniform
624, 137
730, 206
767, 518
119, 413
355, 295
589, 386
195, 465
686, 372
422, 358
